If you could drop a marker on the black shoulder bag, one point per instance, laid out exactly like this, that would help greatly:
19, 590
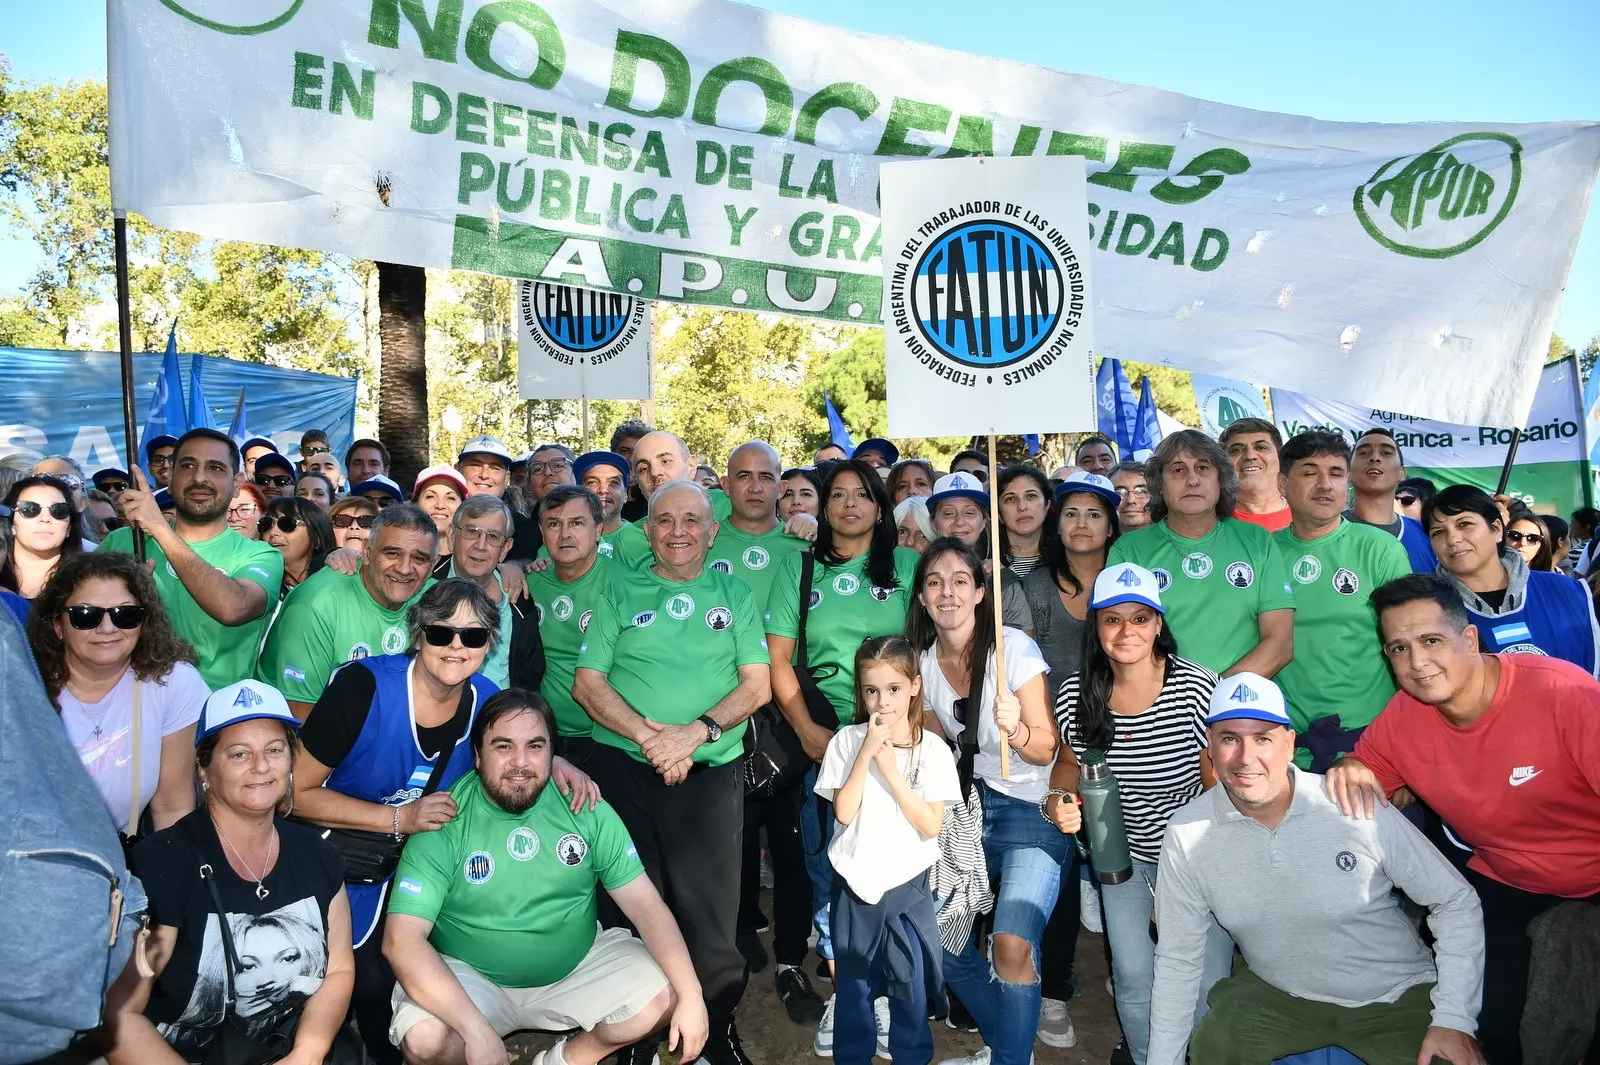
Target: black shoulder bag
774, 759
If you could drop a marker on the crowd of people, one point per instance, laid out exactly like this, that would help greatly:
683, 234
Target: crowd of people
1352, 720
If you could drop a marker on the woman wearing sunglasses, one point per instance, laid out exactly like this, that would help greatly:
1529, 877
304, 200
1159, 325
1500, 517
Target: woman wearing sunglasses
370, 764
45, 528
352, 519
125, 684
245, 510
300, 531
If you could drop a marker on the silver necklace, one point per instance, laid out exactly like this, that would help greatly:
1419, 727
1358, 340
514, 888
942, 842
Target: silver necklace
261, 891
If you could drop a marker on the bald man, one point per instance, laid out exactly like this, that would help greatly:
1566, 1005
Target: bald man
658, 457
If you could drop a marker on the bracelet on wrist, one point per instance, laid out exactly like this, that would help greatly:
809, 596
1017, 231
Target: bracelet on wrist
397, 833
1044, 803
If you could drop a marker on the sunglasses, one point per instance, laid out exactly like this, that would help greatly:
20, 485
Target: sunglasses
344, 521
1515, 537
1406, 501
277, 480
314, 449
440, 636
113, 487
28, 508
85, 617
286, 523
959, 709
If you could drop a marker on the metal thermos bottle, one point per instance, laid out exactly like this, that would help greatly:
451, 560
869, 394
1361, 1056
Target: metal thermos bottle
1103, 826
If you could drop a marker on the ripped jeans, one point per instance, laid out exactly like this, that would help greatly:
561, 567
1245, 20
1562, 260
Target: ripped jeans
1026, 853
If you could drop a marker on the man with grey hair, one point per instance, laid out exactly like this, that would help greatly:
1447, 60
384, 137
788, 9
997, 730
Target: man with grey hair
332, 617
479, 540
668, 739
67, 469
1223, 581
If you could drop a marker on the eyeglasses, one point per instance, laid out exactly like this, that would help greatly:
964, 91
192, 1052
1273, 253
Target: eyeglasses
1406, 501
286, 523
313, 449
982, 475
440, 636
384, 502
85, 617
344, 521
243, 510
1514, 537
1140, 492
161, 460
553, 466
472, 532
113, 487
29, 508
277, 480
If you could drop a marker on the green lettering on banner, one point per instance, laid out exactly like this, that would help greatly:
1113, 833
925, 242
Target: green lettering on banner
905, 116
974, 136
541, 138
844, 95
737, 222
476, 175
573, 140
741, 158
630, 49
438, 38
1207, 260
1027, 140
502, 191
1133, 155
1210, 167
307, 82
506, 117
530, 18
618, 153
421, 93
344, 89
754, 71
710, 162
1137, 245
472, 118
1091, 148
1170, 244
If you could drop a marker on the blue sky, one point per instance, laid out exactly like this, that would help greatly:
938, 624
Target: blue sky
1395, 61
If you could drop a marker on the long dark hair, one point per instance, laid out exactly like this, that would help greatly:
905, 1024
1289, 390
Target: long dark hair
1054, 549
923, 634
885, 537
71, 546
1007, 475
319, 527
1095, 681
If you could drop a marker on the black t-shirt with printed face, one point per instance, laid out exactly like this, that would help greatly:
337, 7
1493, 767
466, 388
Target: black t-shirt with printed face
281, 940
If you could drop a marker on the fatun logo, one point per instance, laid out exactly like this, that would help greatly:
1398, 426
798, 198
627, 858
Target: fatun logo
1443, 201
576, 326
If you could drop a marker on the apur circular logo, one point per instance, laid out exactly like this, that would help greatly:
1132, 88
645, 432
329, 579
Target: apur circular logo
241, 18
1443, 201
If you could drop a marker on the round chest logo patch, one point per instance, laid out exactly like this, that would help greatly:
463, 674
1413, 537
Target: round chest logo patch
1307, 568
561, 608
1346, 583
522, 844
538, 610
583, 620
171, 572
1197, 565
571, 849
643, 618
722, 565
606, 549
1345, 860
719, 617
359, 651
394, 640
1163, 579
1240, 575
756, 558
846, 584
1521, 649
680, 606
880, 594
478, 867
815, 600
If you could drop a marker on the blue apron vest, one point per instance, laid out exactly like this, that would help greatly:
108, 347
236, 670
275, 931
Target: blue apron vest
385, 765
1554, 620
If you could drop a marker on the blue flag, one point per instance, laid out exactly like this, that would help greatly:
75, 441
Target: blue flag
838, 434
239, 431
1032, 440
166, 415
199, 409
1146, 426
1117, 404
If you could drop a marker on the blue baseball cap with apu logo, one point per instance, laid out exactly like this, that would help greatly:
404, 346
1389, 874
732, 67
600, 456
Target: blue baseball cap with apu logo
1126, 583
1247, 696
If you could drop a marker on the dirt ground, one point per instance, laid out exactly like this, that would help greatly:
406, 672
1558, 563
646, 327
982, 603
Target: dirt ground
770, 1039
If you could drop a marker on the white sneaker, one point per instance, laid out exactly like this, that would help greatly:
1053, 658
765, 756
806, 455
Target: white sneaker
822, 1045
1111, 988
1089, 909
880, 1017
980, 1058
1055, 1024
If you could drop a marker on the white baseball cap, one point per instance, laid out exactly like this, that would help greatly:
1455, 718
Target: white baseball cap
1126, 583
1093, 483
485, 445
1247, 696
244, 701
958, 486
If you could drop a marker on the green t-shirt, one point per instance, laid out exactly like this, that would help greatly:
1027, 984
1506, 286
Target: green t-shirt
607, 545
753, 559
512, 895
565, 611
226, 654
673, 649
632, 541
845, 609
327, 620
1213, 588
1338, 666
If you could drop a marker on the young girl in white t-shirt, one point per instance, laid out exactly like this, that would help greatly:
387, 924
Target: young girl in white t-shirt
889, 784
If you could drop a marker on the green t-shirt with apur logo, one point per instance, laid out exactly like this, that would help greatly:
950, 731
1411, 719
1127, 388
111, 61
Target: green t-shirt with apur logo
512, 895
565, 613
1213, 588
328, 620
632, 541
225, 654
753, 559
672, 650
845, 609
1338, 666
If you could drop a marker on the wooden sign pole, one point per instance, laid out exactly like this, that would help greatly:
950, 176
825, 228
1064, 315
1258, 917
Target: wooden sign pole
999, 630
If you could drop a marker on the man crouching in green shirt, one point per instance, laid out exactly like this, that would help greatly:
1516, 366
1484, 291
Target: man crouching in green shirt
492, 920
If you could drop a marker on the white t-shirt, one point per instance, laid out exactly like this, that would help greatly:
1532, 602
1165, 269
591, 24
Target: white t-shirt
103, 732
1023, 662
880, 848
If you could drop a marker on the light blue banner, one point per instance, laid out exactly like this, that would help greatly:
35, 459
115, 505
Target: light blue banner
70, 402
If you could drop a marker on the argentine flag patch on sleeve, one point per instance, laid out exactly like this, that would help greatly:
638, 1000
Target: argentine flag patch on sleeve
409, 886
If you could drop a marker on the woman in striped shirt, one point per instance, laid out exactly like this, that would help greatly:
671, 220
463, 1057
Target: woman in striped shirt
1145, 707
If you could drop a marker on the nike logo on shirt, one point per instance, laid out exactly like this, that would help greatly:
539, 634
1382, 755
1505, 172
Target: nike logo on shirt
1522, 774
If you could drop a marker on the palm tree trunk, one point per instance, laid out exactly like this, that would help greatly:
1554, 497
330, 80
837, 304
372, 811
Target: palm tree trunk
403, 374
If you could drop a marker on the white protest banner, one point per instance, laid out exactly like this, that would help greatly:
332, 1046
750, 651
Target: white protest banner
575, 343
1222, 401
1551, 470
704, 151
986, 285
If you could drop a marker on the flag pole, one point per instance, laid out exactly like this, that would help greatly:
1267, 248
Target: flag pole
119, 232
583, 412
999, 630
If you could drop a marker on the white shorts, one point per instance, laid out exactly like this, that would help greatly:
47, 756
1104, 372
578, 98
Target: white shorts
613, 982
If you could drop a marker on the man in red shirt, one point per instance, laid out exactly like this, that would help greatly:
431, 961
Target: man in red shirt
1506, 749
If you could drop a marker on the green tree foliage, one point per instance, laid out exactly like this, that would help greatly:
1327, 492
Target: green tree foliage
853, 376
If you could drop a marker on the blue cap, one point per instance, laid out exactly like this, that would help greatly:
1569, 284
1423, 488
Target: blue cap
957, 486
257, 441
1247, 696
163, 499
379, 483
883, 447
164, 440
269, 461
589, 460
243, 701
1126, 583
108, 473
1093, 483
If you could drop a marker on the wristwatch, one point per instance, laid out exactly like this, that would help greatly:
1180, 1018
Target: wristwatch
713, 730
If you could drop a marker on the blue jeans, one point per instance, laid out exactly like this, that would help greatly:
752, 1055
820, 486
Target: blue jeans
814, 838
855, 1027
1127, 908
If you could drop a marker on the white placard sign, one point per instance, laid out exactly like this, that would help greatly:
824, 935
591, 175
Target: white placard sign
987, 306
576, 343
